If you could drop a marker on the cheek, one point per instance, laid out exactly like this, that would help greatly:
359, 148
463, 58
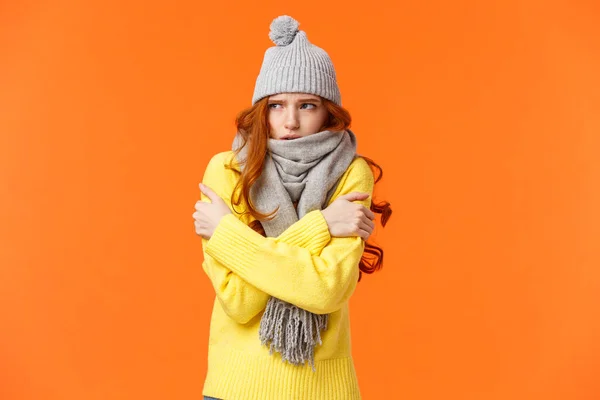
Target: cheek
274, 125
321, 119
274, 119
309, 124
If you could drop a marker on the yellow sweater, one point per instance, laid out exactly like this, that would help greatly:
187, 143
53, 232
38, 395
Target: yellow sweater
304, 266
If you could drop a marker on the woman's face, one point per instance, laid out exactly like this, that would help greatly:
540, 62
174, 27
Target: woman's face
294, 115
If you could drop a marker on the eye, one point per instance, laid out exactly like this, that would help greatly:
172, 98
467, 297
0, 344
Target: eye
309, 104
274, 104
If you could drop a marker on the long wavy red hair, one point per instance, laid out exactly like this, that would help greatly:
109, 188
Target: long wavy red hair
253, 124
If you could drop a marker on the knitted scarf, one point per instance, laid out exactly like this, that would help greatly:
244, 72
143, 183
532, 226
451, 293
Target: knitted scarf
305, 171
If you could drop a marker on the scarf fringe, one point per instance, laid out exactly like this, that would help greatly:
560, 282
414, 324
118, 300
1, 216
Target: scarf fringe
292, 331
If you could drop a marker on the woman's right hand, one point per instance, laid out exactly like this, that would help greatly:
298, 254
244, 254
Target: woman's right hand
345, 218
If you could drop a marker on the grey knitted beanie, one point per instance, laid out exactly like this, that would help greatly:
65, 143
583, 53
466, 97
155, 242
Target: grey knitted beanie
295, 65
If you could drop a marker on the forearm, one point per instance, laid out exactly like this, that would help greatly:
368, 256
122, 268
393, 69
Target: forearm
310, 232
241, 300
319, 283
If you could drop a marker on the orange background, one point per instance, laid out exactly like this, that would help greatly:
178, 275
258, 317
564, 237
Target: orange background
484, 116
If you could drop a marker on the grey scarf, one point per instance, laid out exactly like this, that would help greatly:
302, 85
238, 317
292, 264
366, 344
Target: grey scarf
304, 170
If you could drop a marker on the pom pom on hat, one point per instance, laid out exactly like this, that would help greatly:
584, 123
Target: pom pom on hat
283, 30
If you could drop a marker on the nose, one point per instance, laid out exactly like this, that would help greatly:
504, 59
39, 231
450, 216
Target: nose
291, 119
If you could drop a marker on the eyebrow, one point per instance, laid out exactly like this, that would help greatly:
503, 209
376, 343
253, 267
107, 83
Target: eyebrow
304, 100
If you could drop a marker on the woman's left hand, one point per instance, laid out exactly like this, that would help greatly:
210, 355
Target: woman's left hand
208, 215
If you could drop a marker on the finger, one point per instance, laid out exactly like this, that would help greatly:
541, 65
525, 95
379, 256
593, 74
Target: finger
365, 227
354, 196
368, 222
369, 213
200, 204
363, 234
202, 232
208, 192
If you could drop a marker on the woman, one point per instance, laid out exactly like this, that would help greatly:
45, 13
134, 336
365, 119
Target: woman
284, 217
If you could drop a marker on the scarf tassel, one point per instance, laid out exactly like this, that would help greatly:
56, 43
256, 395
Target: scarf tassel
291, 331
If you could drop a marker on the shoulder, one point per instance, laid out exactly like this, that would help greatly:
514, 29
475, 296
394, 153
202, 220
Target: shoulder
357, 178
358, 173
218, 176
360, 166
220, 160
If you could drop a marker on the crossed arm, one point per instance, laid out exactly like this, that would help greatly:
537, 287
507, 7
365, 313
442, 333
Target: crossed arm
242, 301
304, 266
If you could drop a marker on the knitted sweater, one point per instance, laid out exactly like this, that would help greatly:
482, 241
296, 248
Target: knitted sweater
304, 266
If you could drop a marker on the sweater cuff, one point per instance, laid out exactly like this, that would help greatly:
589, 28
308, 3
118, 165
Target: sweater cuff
310, 232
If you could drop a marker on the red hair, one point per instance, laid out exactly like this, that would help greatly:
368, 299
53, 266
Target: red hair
253, 125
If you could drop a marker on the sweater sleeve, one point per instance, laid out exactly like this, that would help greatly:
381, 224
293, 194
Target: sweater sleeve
318, 282
240, 300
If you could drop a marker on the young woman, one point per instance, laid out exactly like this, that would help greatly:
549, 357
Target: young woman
284, 218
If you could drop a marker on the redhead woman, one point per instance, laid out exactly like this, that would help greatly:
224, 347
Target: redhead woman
284, 218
